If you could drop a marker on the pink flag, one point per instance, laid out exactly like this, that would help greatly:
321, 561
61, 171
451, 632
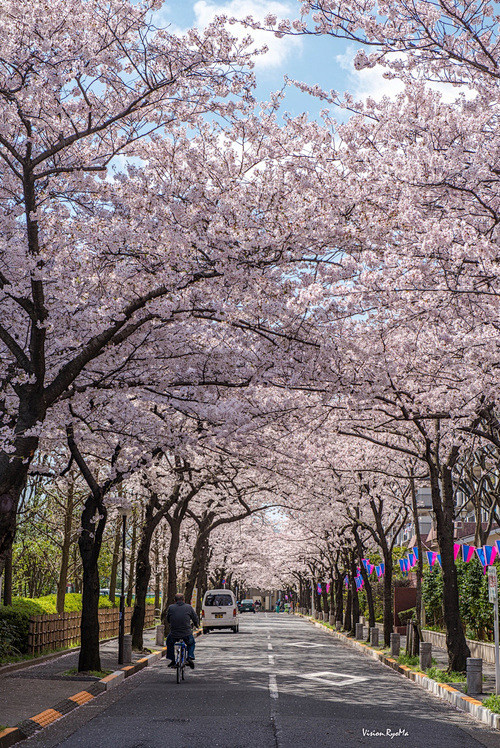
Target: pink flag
456, 550
468, 552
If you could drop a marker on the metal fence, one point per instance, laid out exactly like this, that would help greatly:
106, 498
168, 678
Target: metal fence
49, 632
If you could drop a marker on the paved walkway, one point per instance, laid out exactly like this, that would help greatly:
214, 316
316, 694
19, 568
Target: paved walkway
441, 657
26, 692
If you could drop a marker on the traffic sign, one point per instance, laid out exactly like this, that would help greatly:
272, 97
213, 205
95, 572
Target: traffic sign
492, 584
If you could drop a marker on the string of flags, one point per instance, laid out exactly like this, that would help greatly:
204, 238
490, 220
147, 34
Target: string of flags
486, 555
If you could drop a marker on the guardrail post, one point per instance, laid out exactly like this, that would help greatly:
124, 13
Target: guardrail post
474, 675
395, 644
359, 631
160, 635
425, 655
374, 636
127, 649
338, 625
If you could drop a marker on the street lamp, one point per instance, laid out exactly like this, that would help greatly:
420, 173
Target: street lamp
124, 510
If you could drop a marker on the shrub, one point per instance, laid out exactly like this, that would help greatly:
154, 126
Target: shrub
14, 629
493, 703
443, 676
408, 660
407, 615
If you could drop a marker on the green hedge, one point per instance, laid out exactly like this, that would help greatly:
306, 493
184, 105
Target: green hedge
14, 629
14, 619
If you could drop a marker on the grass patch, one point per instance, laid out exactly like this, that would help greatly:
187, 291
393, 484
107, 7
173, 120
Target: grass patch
493, 703
409, 660
93, 673
443, 676
12, 659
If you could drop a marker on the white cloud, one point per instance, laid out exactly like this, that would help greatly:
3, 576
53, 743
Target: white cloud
370, 82
279, 50
367, 82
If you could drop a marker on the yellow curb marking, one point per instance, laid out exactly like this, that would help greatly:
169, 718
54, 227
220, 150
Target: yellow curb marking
7, 731
471, 700
46, 717
82, 697
143, 659
108, 678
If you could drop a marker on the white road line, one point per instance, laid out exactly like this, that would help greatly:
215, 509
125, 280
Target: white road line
271, 659
269, 645
273, 686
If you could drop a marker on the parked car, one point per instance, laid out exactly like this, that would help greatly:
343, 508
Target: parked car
219, 611
247, 606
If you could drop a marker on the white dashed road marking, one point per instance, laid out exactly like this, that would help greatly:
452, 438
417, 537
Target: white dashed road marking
273, 686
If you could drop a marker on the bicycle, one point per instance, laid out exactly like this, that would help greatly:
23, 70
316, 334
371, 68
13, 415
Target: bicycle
180, 649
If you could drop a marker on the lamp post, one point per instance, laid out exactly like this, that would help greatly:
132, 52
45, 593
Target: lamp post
124, 510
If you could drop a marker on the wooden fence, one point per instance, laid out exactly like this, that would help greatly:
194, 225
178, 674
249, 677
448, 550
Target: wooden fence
49, 632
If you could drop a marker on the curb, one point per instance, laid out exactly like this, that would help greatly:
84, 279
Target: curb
28, 727
444, 691
14, 666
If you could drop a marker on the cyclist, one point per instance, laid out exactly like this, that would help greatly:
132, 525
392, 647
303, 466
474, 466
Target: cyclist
179, 616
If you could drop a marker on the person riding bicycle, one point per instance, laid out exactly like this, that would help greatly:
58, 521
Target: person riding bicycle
179, 616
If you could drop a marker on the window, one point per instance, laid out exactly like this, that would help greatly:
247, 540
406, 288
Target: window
217, 600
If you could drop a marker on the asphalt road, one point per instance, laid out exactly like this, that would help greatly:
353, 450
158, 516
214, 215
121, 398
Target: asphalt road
279, 683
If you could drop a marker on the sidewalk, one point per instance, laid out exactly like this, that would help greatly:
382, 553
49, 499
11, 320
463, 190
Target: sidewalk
441, 656
33, 689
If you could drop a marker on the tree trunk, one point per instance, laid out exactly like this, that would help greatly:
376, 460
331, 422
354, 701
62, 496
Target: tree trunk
7, 580
201, 581
420, 568
366, 580
339, 597
143, 569
142, 577
388, 611
324, 595
115, 561
354, 597
65, 551
131, 568
458, 651
347, 612
14, 467
89, 542
175, 535
197, 559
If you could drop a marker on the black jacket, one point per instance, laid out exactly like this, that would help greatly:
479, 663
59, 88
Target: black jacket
179, 616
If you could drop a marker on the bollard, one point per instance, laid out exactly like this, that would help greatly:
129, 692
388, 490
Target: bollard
338, 625
374, 636
474, 675
425, 655
331, 620
395, 644
160, 635
127, 649
359, 631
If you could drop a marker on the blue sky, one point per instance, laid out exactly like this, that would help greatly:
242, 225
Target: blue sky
322, 60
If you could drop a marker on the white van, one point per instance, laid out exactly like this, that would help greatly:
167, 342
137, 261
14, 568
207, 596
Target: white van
219, 611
